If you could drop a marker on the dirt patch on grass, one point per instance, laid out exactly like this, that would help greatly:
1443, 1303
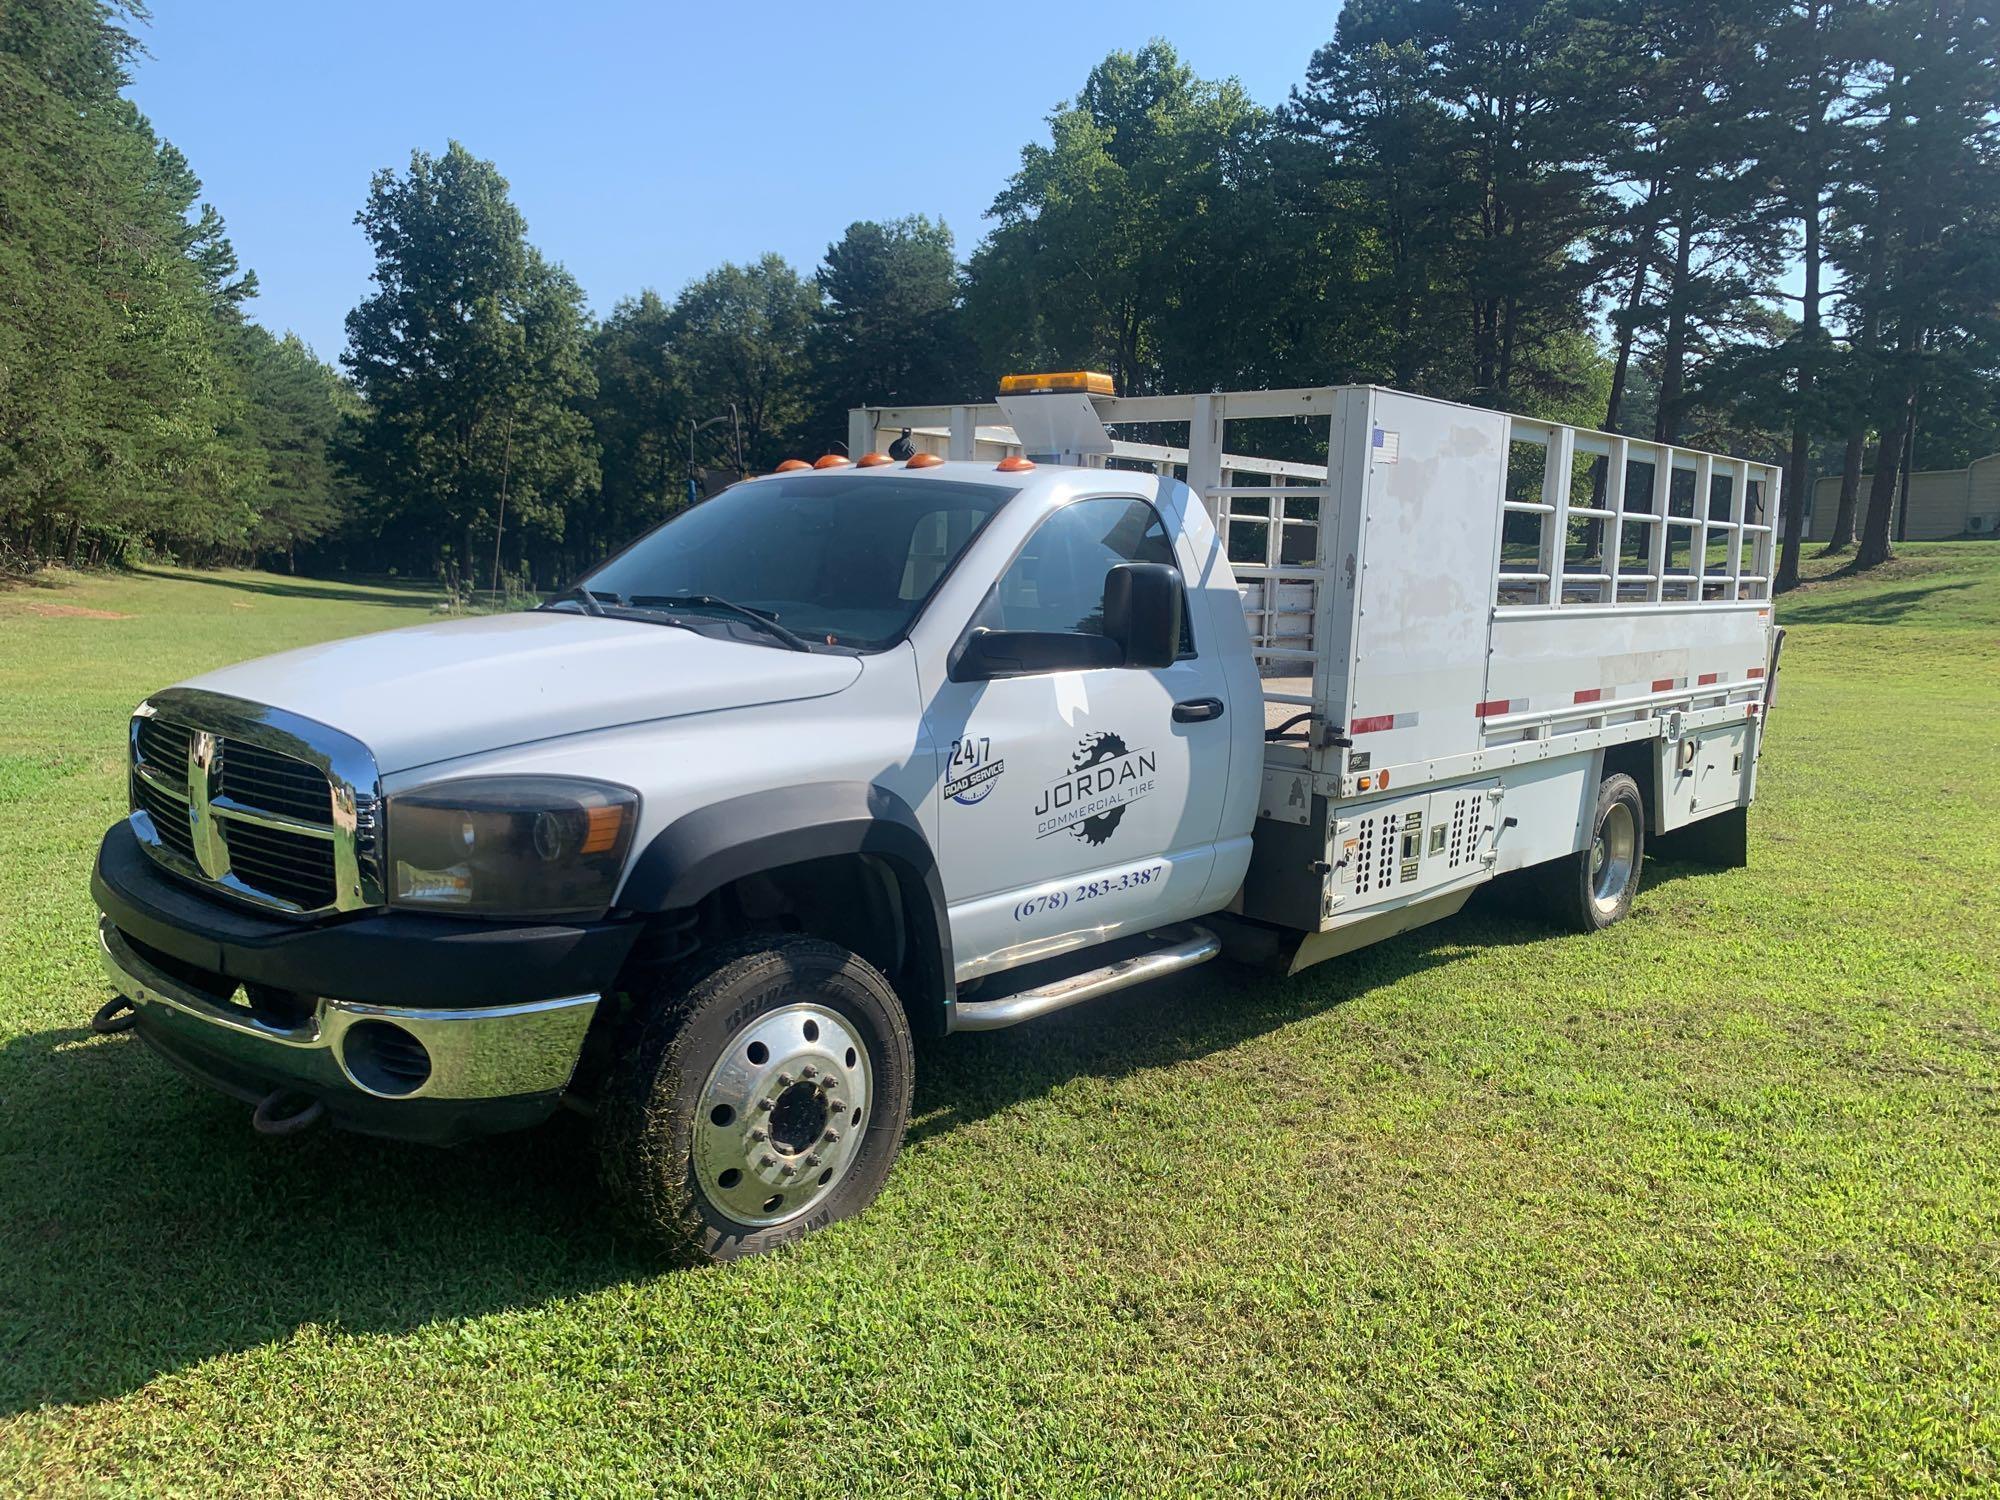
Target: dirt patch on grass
72, 612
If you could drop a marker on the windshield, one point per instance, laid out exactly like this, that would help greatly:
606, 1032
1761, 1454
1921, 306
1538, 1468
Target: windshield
842, 560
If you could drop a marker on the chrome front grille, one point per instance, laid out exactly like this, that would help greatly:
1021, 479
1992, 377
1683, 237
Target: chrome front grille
163, 749
254, 777
169, 813
255, 802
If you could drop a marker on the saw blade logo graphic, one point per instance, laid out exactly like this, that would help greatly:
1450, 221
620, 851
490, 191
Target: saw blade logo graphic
1095, 750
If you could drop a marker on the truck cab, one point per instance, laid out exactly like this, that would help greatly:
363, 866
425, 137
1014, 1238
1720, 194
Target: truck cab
852, 752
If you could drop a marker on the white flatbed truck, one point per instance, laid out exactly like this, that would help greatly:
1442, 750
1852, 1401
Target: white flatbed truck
869, 748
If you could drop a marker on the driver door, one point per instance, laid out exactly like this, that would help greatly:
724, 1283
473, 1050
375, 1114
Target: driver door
1077, 804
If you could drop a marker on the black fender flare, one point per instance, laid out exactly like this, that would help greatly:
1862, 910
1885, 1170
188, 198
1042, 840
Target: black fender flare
702, 851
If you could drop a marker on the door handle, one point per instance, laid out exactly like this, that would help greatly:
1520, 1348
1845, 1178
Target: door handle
1197, 710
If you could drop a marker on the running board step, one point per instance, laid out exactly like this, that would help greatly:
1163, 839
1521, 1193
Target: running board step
1182, 948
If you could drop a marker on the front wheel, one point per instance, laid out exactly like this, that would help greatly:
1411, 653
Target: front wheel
763, 1098
1593, 888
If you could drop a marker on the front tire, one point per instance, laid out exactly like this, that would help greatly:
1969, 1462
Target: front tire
762, 1096
1593, 888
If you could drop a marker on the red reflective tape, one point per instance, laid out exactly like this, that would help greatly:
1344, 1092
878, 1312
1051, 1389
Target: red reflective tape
1589, 695
1753, 707
1494, 706
1756, 671
1665, 684
1705, 679
1372, 723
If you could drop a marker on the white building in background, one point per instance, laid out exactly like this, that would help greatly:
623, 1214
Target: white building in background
1943, 503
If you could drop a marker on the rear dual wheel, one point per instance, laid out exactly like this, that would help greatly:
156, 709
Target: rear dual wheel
1593, 888
763, 1096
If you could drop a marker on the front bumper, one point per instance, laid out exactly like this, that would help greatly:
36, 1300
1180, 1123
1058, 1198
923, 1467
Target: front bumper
400, 1025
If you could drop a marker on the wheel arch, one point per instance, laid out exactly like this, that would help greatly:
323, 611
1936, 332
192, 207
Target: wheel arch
848, 836
1639, 759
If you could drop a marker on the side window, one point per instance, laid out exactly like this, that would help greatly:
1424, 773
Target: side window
1057, 582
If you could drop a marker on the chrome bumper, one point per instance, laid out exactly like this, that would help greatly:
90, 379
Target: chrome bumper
495, 1052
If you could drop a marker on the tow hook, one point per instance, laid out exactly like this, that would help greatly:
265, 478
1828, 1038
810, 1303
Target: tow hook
279, 1113
115, 1015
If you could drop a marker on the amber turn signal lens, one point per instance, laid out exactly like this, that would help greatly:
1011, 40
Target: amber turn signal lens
872, 460
1015, 464
601, 829
831, 461
923, 461
791, 466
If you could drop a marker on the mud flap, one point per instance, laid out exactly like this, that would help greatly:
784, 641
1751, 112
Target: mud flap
1721, 841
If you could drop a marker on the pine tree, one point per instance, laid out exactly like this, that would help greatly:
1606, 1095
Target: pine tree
472, 358
888, 327
1929, 198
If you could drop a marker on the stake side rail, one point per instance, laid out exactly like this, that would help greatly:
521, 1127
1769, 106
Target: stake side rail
1606, 552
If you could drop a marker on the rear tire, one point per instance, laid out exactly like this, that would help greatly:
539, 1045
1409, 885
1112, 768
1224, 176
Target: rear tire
761, 1095
1593, 888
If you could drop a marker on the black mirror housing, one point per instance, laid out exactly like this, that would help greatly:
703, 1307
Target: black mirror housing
987, 654
1142, 612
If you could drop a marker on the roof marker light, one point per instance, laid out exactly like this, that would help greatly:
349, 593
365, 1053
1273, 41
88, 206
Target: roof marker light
832, 461
1014, 463
872, 460
791, 466
923, 461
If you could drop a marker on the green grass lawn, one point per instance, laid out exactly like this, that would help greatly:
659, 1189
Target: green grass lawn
1709, 1204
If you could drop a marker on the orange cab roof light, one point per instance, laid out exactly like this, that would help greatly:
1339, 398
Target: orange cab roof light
832, 461
791, 466
1014, 463
1089, 382
923, 461
872, 460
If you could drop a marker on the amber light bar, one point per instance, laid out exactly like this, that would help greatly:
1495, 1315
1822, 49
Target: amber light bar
1089, 382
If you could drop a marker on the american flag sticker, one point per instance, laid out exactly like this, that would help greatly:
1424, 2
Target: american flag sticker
1386, 447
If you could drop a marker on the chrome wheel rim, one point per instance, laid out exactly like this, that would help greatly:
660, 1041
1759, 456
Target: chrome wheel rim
1611, 857
782, 1114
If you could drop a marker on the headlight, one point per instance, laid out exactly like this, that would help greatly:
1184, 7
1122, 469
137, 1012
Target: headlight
522, 846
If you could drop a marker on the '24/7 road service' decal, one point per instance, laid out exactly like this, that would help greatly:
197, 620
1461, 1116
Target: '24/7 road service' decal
971, 771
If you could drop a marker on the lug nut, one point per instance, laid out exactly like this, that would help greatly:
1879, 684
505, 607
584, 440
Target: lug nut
756, 1135
787, 1170
833, 1103
808, 1071
784, 1080
831, 1137
766, 1161
764, 1105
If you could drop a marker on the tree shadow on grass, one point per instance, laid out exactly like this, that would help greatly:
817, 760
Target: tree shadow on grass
387, 592
963, 1079
144, 1227
1883, 608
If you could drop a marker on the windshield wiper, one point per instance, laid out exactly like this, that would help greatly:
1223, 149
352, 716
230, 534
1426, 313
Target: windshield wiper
762, 619
582, 596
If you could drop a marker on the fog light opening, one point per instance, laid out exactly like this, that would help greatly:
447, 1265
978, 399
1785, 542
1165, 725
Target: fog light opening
384, 1058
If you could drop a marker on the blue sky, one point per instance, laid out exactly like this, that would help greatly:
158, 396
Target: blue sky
645, 143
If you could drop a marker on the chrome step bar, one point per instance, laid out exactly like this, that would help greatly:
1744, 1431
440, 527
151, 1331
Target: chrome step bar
1184, 947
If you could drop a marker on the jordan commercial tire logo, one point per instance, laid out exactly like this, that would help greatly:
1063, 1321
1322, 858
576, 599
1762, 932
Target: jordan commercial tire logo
1105, 777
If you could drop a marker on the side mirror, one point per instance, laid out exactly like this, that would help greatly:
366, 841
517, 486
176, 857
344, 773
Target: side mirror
987, 654
1142, 612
